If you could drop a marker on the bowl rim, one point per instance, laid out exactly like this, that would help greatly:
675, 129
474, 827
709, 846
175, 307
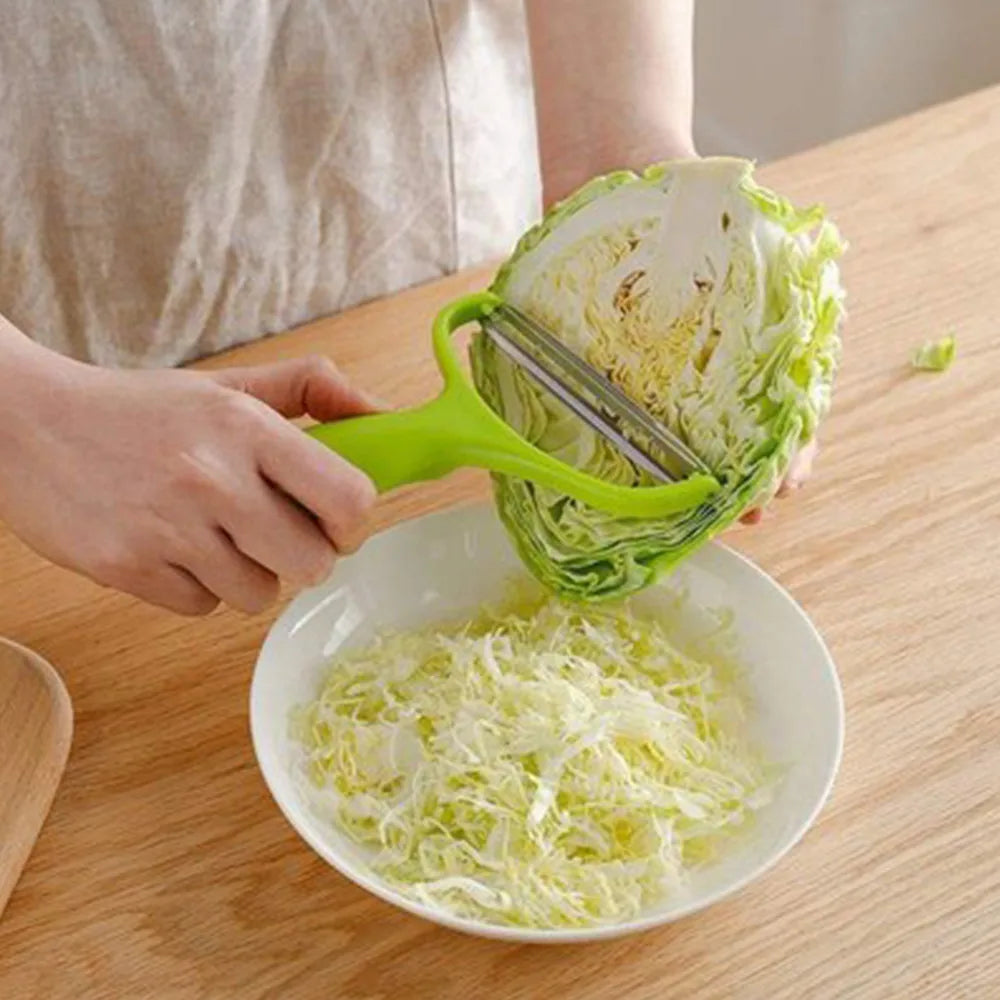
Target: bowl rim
372, 883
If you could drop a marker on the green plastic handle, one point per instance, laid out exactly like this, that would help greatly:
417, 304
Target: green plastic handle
459, 429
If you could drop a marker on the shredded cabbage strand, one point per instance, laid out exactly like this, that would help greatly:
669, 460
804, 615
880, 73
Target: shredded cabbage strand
546, 765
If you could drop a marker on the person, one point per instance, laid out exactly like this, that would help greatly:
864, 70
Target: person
178, 178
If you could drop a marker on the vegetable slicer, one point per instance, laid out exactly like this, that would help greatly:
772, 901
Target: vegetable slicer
458, 428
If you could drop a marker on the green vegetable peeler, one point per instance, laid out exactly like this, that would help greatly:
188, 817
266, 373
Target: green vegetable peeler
459, 429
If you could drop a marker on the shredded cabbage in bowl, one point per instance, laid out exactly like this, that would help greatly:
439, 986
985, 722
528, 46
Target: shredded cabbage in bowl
710, 301
545, 765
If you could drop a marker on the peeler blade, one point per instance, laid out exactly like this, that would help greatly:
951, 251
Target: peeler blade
597, 401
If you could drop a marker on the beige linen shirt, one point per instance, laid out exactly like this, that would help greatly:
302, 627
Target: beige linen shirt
179, 176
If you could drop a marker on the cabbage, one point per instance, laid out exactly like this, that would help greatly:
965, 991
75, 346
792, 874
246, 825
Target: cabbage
546, 765
714, 304
935, 355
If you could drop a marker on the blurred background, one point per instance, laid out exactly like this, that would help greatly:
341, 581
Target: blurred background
777, 76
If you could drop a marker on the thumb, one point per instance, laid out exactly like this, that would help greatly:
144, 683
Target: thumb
311, 386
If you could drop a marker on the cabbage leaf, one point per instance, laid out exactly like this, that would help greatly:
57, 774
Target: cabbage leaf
935, 355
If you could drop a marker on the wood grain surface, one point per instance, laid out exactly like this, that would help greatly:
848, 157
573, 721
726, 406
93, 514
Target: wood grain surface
36, 726
166, 871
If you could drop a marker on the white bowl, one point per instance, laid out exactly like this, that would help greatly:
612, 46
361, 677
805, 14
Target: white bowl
436, 566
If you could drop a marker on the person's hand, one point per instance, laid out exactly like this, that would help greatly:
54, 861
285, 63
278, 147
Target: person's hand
182, 488
799, 470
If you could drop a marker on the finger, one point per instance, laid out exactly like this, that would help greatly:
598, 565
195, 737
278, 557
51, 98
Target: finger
337, 494
754, 516
310, 386
173, 588
800, 467
787, 488
232, 576
275, 532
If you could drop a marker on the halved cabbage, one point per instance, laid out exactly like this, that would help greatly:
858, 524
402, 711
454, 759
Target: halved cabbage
713, 303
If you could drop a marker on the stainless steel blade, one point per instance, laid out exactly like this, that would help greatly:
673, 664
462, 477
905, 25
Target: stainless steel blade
587, 413
594, 398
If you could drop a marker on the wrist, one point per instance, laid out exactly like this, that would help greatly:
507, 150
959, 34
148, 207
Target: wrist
31, 376
563, 175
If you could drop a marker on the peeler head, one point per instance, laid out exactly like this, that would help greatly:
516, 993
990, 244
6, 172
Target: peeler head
479, 436
644, 440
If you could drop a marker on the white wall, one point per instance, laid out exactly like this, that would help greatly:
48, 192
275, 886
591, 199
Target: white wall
777, 76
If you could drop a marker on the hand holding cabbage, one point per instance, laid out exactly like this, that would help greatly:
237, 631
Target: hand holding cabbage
714, 304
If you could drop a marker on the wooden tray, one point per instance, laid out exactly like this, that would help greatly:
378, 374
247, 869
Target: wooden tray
36, 727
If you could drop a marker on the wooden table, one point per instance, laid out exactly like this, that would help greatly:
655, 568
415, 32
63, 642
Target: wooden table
166, 871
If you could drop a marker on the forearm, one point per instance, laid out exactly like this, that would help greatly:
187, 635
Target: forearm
21, 358
29, 376
14, 346
613, 86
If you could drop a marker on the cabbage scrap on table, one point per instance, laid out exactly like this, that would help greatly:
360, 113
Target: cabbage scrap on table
935, 355
714, 304
546, 765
